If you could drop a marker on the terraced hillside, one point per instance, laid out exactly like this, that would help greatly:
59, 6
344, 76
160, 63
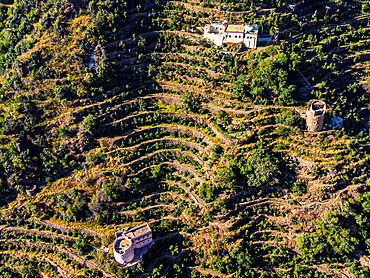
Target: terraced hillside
116, 112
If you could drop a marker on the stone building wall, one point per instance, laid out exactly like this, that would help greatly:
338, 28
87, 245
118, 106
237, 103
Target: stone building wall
315, 116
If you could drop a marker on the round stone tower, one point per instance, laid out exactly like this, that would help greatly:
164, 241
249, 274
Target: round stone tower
316, 115
123, 250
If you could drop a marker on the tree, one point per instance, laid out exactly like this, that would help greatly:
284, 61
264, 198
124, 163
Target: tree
133, 184
227, 176
191, 101
89, 123
364, 8
314, 17
298, 187
156, 171
206, 192
112, 191
261, 169
104, 69
329, 239
288, 117
286, 95
223, 116
141, 43
239, 87
89, 77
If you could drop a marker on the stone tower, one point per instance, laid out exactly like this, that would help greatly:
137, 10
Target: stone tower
129, 244
316, 115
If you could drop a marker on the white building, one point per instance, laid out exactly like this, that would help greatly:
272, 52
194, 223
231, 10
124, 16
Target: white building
129, 243
221, 32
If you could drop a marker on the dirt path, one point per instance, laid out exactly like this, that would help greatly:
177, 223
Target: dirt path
207, 271
133, 212
174, 163
47, 234
72, 229
147, 157
88, 263
198, 201
61, 271
166, 139
190, 131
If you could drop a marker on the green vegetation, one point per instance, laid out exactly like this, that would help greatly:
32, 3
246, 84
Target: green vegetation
339, 235
119, 112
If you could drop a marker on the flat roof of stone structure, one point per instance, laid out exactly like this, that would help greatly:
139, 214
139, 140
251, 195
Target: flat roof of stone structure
235, 28
138, 231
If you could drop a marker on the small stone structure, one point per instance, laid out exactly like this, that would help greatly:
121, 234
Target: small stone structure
31, 190
131, 244
336, 122
222, 33
315, 116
